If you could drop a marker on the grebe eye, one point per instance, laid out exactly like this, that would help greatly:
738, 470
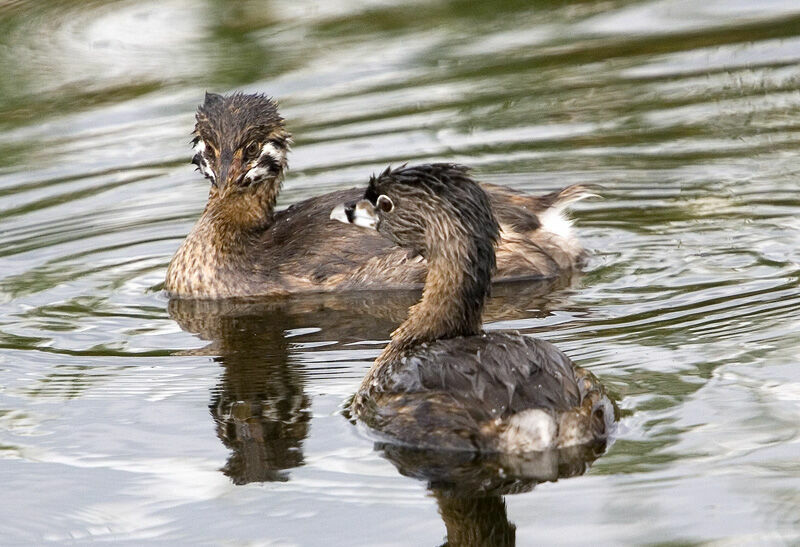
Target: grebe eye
384, 203
252, 149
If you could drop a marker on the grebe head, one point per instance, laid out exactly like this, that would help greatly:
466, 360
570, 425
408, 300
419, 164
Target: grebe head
240, 142
439, 212
430, 209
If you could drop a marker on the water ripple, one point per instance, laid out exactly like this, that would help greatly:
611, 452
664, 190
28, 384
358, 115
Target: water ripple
150, 420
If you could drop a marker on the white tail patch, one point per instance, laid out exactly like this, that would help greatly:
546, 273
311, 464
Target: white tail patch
531, 430
556, 222
555, 219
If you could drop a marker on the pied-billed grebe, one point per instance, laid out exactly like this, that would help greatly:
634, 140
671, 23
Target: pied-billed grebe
441, 382
241, 246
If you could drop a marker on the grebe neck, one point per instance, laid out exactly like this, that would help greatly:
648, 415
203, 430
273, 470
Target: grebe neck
457, 284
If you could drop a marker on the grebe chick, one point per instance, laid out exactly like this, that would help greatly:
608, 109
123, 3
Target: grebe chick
241, 246
441, 382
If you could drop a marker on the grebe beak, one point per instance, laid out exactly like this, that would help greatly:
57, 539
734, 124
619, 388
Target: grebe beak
230, 171
340, 213
361, 214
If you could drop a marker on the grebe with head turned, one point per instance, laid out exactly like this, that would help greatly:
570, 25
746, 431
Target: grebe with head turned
241, 246
441, 382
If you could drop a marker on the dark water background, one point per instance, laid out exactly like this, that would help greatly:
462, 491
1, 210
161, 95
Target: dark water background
123, 417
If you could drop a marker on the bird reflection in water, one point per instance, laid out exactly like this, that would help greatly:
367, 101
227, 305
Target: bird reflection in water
259, 406
261, 411
469, 487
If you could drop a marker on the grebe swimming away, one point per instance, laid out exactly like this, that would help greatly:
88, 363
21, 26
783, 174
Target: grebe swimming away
442, 382
241, 246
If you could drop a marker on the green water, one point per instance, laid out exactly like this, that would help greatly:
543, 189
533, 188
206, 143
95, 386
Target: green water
125, 417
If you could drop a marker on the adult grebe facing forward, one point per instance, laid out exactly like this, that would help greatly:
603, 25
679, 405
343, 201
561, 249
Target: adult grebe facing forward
441, 382
241, 246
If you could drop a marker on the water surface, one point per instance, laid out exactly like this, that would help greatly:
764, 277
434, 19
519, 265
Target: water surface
126, 417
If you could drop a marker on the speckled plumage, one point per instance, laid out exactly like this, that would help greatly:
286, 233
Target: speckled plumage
459, 394
441, 383
241, 247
